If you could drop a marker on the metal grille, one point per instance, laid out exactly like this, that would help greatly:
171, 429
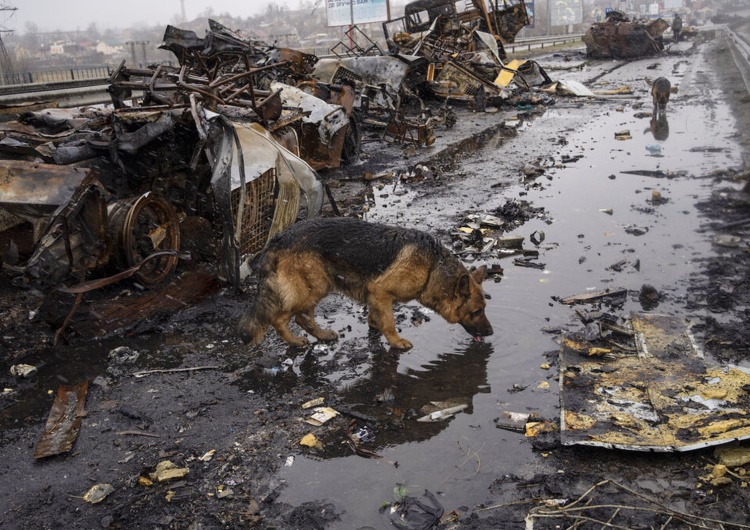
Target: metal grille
342, 74
257, 216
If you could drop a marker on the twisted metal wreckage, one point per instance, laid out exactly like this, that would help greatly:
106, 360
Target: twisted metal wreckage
206, 160
215, 146
619, 37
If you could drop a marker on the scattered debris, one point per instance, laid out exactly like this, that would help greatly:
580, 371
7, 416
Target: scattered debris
98, 493
23, 370
664, 398
321, 416
309, 440
166, 471
594, 296
144, 373
440, 410
64, 421
514, 421
313, 403
413, 514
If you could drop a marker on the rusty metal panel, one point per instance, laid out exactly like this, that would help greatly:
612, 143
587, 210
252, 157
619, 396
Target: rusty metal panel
64, 421
666, 398
29, 188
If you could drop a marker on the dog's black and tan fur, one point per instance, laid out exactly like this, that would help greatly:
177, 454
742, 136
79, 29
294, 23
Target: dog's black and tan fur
372, 263
660, 92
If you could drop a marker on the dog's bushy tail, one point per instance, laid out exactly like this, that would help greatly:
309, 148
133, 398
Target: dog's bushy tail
267, 304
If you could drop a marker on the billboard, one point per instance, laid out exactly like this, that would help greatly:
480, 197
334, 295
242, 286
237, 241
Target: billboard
350, 12
530, 12
565, 12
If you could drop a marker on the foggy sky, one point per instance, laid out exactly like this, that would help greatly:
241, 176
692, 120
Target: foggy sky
70, 15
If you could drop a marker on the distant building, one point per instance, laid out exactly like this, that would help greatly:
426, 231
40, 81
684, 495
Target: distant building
108, 49
57, 48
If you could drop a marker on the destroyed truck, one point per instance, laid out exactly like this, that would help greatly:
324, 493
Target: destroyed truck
618, 37
463, 45
203, 162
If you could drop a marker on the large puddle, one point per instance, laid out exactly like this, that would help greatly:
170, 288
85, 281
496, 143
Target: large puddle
602, 214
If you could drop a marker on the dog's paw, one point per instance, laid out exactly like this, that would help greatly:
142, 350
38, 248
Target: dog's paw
298, 342
328, 335
401, 344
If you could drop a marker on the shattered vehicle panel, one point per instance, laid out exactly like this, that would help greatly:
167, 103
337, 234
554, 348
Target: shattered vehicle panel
664, 398
619, 38
323, 126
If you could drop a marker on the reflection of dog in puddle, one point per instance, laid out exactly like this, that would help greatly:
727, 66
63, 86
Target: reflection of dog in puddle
659, 127
369, 262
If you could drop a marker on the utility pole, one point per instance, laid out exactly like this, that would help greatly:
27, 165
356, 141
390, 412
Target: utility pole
133, 58
182, 10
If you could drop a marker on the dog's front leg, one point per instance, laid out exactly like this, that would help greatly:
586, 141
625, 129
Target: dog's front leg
281, 325
381, 318
306, 320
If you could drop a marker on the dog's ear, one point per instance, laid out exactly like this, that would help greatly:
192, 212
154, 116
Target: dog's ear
479, 274
463, 287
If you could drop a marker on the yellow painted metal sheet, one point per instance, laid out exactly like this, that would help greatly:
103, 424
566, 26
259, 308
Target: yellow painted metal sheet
508, 72
665, 398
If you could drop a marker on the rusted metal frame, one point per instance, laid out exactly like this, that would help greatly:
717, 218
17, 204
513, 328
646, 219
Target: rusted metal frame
246, 88
196, 118
194, 88
219, 62
85, 287
116, 71
483, 9
152, 89
289, 119
60, 332
203, 135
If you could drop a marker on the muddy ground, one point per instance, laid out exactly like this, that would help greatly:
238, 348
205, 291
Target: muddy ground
233, 415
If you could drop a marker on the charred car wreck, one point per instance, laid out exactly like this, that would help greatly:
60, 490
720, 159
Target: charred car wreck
204, 161
440, 50
618, 37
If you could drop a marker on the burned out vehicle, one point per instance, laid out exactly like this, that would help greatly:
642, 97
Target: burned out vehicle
110, 193
440, 50
618, 37
463, 44
503, 21
202, 162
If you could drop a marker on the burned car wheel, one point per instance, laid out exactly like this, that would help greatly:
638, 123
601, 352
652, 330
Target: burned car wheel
140, 226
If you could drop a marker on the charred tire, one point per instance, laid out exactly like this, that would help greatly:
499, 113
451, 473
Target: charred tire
140, 226
352, 141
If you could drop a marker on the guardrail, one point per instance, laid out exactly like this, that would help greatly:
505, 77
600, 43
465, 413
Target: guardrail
740, 50
60, 75
531, 43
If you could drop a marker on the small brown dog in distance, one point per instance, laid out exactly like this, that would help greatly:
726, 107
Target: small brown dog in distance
660, 91
371, 263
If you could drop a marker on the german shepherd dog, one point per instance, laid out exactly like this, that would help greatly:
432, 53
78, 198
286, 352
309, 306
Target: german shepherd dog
371, 263
660, 92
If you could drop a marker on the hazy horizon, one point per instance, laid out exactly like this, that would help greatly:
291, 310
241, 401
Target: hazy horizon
72, 15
